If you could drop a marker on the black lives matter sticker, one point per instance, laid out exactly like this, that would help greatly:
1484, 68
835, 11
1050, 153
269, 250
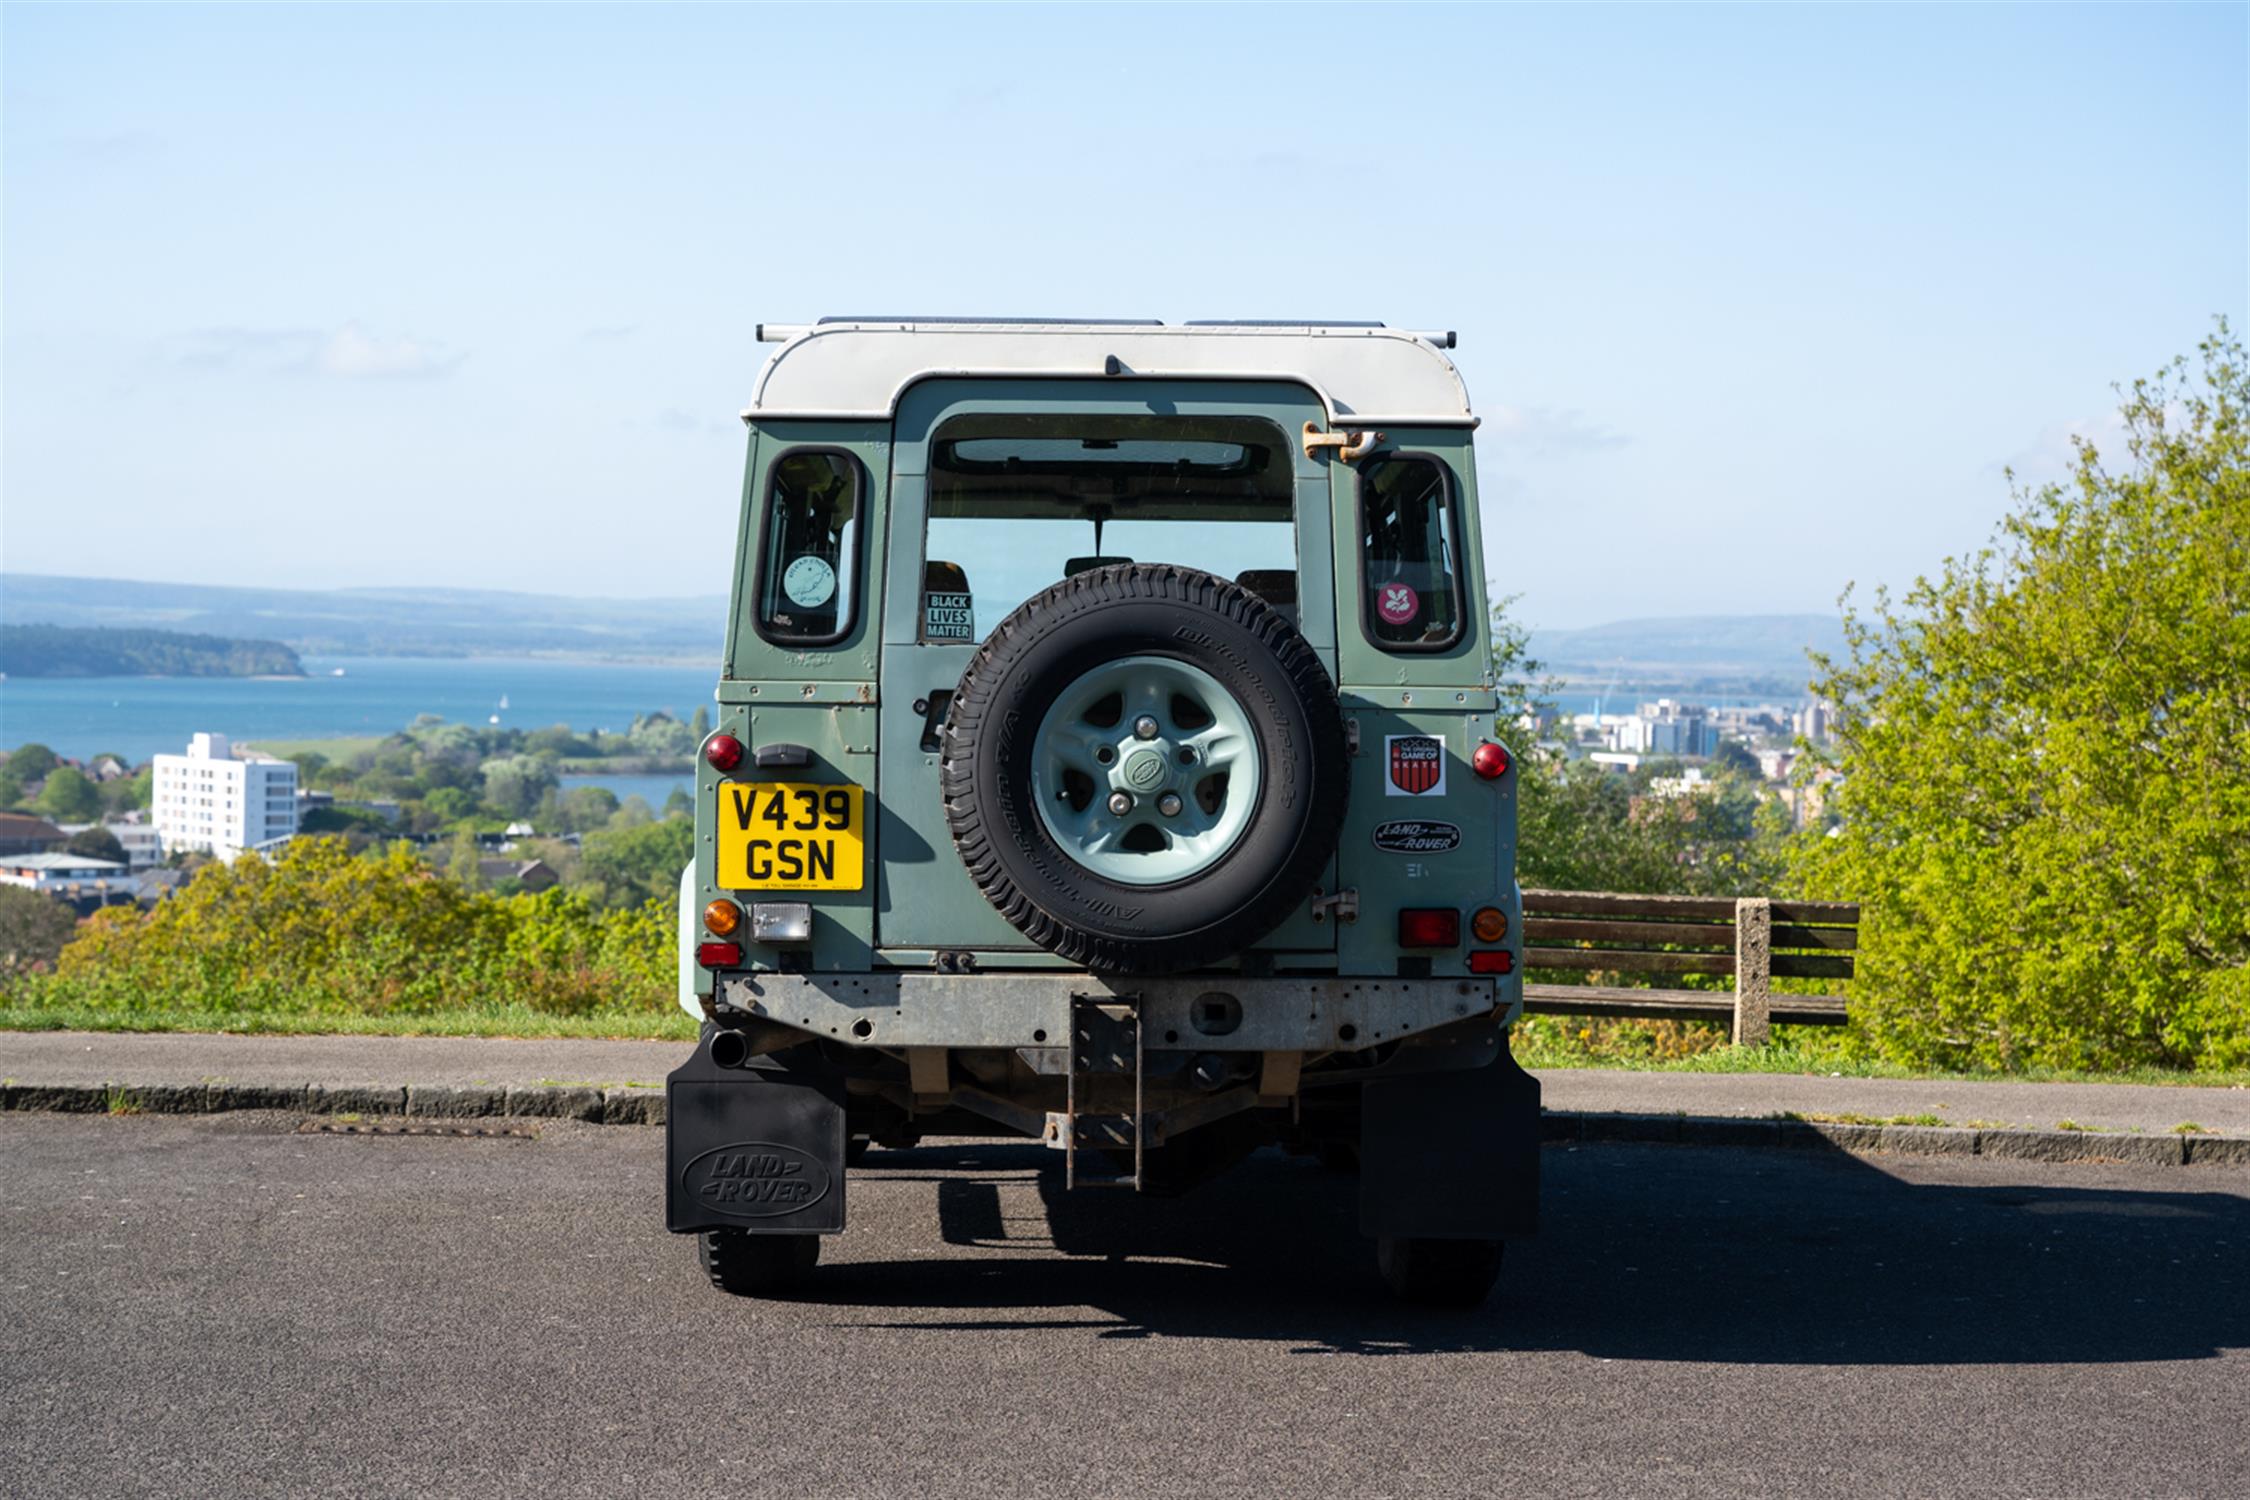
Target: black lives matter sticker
1417, 836
948, 617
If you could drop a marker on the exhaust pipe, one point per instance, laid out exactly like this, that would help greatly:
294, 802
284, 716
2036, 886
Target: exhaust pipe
730, 1049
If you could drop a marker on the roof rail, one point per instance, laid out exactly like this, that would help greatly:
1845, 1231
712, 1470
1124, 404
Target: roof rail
1282, 323
1031, 322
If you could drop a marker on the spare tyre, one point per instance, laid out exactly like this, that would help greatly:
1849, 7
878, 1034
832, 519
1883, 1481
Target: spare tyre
1144, 769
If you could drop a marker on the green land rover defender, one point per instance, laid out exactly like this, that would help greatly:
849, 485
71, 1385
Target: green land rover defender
1106, 755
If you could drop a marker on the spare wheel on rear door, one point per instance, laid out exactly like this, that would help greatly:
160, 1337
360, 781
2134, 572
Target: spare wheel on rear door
1144, 769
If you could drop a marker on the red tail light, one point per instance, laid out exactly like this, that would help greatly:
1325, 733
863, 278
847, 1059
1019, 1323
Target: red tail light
1490, 761
718, 955
1492, 961
723, 751
1426, 928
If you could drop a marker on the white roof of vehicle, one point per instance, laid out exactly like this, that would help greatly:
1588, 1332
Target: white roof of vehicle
1364, 374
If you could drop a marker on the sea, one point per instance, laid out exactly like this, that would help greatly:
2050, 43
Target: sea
352, 696
345, 697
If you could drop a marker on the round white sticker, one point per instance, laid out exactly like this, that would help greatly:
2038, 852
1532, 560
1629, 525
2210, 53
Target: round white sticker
809, 582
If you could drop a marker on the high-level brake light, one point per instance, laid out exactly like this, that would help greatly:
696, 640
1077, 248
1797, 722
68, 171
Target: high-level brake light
1490, 761
723, 751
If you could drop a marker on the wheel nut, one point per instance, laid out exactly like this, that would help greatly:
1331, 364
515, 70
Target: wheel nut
1120, 803
1169, 804
1145, 727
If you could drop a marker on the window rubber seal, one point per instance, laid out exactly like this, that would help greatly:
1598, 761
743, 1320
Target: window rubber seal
1453, 575
850, 621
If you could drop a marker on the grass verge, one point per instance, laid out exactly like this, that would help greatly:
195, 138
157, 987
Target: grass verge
1553, 1042
482, 1020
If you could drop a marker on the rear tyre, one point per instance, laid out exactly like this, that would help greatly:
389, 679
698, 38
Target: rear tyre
1440, 1273
758, 1265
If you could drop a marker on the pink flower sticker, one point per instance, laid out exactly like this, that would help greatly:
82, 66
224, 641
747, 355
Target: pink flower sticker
1397, 603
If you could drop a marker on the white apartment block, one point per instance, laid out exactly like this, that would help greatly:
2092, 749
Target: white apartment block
212, 801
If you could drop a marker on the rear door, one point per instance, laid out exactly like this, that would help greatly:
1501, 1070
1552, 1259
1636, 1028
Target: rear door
1424, 830
949, 587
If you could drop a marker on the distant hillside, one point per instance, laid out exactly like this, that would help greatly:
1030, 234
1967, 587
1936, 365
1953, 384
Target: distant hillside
65, 651
1759, 653
377, 622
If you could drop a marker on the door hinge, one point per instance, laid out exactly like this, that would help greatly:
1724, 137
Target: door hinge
1351, 736
1344, 903
1349, 446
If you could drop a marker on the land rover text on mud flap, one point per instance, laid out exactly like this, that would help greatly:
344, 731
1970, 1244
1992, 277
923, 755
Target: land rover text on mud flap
1105, 754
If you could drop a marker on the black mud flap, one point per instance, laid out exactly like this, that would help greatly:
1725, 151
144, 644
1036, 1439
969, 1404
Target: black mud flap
1452, 1154
759, 1147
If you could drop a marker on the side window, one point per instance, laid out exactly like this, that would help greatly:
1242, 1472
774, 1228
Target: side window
808, 563
1409, 554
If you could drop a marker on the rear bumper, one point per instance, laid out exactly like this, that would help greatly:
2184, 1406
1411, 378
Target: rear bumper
1211, 1013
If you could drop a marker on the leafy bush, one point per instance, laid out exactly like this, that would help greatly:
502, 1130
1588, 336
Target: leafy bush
321, 930
33, 930
2045, 811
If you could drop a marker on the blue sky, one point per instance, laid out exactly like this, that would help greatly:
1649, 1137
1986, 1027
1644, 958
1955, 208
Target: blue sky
1756, 301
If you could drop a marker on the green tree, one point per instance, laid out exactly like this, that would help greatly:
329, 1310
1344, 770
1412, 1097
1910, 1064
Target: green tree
661, 734
32, 760
96, 842
700, 725
2044, 808
627, 866
33, 930
464, 862
129, 794
68, 797
557, 739
513, 784
11, 787
1734, 756
450, 804
585, 808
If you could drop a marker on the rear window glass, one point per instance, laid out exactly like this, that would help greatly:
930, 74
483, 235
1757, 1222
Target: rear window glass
1410, 575
1020, 501
808, 566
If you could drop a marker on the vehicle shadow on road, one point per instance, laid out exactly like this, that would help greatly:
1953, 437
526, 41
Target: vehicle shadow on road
1809, 1257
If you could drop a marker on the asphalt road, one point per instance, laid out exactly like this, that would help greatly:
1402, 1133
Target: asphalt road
217, 1305
187, 1057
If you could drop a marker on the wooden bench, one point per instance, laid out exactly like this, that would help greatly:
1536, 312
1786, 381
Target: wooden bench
1755, 939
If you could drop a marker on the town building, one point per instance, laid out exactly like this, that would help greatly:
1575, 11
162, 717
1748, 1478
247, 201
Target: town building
1689, 783
75, 878
533, 875
214, 800
143, 845
1667, 728
1774, 765
21, 833
1815, 722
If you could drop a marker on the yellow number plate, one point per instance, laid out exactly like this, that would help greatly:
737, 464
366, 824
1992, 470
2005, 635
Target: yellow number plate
791, 836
